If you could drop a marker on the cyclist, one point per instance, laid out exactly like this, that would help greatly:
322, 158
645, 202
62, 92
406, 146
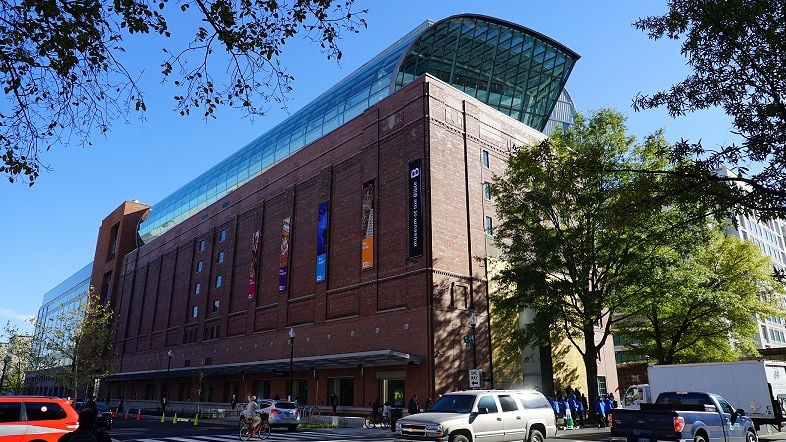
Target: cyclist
252, 410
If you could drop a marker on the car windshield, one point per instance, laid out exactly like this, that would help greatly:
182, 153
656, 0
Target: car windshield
285, 405
102, 406
454, 403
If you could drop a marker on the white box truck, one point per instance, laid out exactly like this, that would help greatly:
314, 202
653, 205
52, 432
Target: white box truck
758, 387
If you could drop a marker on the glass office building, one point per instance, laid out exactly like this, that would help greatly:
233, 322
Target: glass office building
510, 68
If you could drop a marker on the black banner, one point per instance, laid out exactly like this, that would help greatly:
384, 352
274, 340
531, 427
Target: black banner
415, 209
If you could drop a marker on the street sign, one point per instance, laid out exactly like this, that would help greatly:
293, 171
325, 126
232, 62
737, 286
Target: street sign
469, 340
475, 378
280, 373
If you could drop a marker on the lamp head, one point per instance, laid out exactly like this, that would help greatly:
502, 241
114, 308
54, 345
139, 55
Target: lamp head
473, 320
291, 333
170, 353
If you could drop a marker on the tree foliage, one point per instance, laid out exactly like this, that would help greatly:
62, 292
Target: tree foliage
64, 79
579, 243
736, 51
19, 353
705, 307
74, 345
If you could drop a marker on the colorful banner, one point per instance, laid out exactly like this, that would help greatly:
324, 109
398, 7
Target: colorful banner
322, 242
415, 209
367, 226
283, 268
252, 272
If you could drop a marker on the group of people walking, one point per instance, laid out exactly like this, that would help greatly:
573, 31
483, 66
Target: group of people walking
573, 409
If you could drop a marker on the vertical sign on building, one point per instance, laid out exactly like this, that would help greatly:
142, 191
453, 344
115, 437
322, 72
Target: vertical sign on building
283, 267
322, 238
415, 209
367, 226
252, 272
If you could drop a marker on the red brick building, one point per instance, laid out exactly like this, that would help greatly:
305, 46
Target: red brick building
367, 243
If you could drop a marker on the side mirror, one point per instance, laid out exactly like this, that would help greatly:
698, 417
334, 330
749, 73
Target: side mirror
740, 412
483, 410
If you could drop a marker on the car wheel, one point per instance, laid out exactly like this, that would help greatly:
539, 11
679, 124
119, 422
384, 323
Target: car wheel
535, 436
458, 438
292, 427
751, 437
700, 438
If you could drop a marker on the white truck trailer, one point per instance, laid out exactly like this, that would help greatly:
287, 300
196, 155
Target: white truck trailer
758, 387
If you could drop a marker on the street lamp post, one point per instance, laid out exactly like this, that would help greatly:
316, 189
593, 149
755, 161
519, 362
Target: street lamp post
6, 360
169, 355
291, 355
473, 321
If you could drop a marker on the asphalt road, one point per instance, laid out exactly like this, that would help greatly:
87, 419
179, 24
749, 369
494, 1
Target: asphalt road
150, 429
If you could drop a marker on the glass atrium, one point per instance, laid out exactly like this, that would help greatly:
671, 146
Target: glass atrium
511, 68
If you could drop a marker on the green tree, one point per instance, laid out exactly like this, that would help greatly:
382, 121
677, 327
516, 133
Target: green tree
580, 244
18, 353
705, 307
74, 346
64, 79
735, 49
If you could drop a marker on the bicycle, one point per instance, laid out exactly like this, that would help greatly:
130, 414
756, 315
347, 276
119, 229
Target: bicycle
374, 419
262, 431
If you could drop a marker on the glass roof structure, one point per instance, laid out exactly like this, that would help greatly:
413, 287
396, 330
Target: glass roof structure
509, 67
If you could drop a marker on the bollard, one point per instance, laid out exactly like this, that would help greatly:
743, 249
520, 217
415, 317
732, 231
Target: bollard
163, 417
174, 419
196, 419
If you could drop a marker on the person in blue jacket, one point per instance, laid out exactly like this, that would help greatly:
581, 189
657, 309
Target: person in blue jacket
609, 402
600, 412
576, 410
554, 405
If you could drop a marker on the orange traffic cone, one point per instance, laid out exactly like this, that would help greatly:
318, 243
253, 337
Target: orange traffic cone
139, 415
126, 414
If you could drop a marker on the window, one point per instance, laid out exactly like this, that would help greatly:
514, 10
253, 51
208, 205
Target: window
602, 386
489, 227
216, 304
197, 288
507, 403
484, 158
194, 311
486, 191
222, 235
487, 401
212, 332
218, 281
220, 258
113, 235
189, 336
199, 266
202, 245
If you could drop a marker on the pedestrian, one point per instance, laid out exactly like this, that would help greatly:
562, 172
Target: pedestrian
413, 407
600, 412
576, 411
427, 405
87, 431
609, 402
334, 403
386, 410
233, 402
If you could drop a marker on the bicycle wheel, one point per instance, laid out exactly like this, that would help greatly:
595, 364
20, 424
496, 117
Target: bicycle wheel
369, 422
385, 422
264, 430
245, 431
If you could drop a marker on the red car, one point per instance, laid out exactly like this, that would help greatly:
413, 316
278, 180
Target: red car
28, 418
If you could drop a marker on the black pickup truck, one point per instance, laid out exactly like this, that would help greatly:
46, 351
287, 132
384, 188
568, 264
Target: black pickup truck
680, 416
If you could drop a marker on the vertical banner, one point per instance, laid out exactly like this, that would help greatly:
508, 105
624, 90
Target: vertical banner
415, 209
283, 267
322, 238
252, 272
367, 226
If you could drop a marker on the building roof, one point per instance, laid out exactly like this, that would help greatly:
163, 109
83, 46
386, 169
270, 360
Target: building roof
510, 68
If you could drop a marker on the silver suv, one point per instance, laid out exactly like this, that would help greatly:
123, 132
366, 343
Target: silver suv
487, 415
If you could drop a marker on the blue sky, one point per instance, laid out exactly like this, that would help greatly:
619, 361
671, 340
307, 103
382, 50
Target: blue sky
50, 228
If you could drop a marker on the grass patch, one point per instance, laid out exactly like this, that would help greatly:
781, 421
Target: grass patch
316, 425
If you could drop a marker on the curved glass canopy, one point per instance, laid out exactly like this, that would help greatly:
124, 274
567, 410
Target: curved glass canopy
509, 67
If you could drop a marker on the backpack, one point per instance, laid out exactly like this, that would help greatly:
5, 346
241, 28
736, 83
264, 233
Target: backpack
83, 436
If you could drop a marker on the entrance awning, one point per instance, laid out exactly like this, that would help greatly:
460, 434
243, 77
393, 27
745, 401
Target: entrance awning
376, 358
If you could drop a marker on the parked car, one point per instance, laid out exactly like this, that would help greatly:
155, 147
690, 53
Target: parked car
36, 418
104, 415
488, 415
281, 413
680, 416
